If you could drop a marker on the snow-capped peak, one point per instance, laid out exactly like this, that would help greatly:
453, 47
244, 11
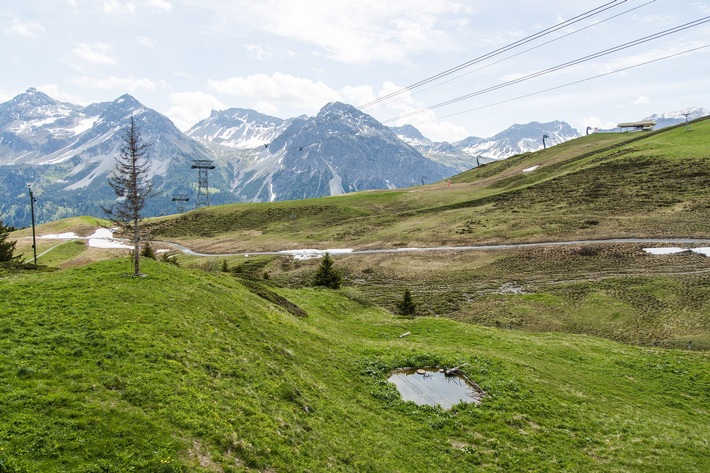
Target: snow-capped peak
691, 112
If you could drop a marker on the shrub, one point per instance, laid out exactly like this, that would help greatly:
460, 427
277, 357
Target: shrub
170, 259
147, 251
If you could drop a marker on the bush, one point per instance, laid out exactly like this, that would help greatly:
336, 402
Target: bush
327, 275
170, 259
147, 251
225, 266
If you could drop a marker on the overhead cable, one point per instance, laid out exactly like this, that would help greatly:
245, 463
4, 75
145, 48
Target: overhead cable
437, 84
565, 65
576, 82
527, 39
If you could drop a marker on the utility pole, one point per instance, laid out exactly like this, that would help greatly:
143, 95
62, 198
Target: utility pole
34, 238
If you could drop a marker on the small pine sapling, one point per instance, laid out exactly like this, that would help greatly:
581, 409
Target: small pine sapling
327, 275
407, 306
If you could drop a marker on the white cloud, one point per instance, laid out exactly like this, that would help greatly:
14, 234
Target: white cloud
701, 7
642, 100
357, 94
259, 51
426, 122
658, 20
270, 94
438, 130
95, 53
27, 29
159, 4
4, 96
122, 84
53, 91
145, 41
184, 75
190, 107
594, 122
353, 32
278, 89
116, 7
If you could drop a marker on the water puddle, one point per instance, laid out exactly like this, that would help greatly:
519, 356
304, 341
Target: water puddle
430, 386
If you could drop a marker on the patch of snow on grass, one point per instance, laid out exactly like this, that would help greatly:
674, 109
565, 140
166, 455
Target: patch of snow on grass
705, 251
102, 233
103, 238
107, 243
312, 254
664, 251
531, 169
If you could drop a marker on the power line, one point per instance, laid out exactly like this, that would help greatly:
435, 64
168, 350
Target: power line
527, 39
565, 65
524, 51
577, 81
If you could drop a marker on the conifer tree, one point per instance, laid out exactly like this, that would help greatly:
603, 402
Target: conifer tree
407, 305
131, 183
327, 275
7, 248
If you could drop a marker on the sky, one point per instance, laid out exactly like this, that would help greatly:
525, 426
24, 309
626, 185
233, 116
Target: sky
285, 58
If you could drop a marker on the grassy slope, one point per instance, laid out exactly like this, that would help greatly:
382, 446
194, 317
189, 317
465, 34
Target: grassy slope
598, 186
603, 185
617, 291
188, 371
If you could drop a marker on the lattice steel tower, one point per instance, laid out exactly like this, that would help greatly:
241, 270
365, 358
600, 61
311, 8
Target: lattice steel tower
203, 187
180, 201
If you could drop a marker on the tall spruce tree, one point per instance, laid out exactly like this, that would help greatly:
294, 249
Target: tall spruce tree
131, 183
7, 248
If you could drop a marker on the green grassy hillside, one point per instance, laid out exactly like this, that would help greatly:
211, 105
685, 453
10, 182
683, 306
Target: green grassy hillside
189, 371
598, 186
594, 356
615, 291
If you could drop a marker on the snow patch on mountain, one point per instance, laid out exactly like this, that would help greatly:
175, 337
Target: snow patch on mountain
674, 118
237, 129
519, 139
83, 125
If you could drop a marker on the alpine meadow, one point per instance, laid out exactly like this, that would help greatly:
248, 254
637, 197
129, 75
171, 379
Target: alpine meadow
570, 284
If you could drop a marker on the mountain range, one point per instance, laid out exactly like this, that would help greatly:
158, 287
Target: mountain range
674, 118
65, 152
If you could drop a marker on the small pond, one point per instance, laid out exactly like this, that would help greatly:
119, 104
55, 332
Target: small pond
430, 386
